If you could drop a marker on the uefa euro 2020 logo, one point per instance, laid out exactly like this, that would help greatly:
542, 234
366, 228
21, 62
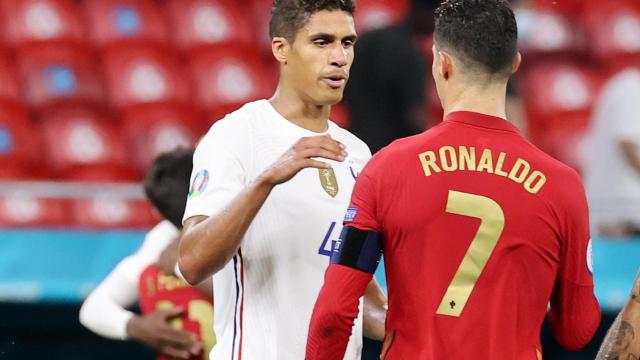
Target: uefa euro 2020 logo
199, 183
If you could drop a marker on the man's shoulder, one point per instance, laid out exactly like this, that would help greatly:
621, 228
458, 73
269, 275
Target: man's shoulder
234, 128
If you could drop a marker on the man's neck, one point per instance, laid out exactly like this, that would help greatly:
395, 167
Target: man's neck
300, 112
489, 100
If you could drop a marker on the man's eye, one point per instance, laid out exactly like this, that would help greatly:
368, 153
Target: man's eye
347, 43
321, 42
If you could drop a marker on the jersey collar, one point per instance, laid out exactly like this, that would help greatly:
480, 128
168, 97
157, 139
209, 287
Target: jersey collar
481, 120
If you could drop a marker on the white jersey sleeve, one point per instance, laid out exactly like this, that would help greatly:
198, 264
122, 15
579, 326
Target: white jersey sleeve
104, 311
219, 168
624, 115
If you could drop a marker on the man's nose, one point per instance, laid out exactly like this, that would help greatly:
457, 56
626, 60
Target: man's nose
339, 56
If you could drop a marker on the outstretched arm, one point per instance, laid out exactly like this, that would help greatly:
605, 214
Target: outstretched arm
208, 243
623, 339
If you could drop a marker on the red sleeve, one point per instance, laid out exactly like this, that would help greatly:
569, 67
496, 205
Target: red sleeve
335, 311
362, 212
575, 312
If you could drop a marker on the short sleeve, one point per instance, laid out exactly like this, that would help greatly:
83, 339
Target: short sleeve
219, 173
623, 105
362, 211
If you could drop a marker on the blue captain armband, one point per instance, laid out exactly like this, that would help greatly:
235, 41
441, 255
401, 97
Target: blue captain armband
358, 249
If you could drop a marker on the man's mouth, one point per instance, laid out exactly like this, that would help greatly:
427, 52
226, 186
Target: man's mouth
335, 81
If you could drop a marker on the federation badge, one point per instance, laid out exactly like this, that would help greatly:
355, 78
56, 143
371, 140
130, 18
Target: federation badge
354, 173
199, 184
329, 181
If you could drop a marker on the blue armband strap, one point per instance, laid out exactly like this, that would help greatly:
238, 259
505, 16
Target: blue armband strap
358, 249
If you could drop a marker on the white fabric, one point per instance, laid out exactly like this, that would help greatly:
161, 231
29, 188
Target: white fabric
273, 285
612, 185
104, 311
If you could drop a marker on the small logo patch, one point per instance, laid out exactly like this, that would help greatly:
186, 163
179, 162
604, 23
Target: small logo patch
199, 184
350, 215
590, 256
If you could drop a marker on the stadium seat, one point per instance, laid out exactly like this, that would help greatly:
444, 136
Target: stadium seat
143, 74
20, 148
122, 20
155, 129
106, 211
566, 7
58, 73
548, 32
614, 32
226, 77
373, 14
209, 22
559, 99
26, 21
25, 210
9, 88
82, 145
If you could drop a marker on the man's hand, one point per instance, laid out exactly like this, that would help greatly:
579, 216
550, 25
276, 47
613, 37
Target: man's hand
155, 331
301, 155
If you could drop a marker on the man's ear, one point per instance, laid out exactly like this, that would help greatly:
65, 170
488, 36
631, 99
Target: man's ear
280, 48
446, 64
516, 63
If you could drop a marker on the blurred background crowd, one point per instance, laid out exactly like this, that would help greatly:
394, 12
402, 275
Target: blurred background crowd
91, 91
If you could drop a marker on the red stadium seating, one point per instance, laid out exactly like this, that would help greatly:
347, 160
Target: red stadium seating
19, 147
209, 22
373, 14
27, 21
564, 6
24, 210
112, 212
155, 129
549, 32
225, 77
82, 144
261, 10
143, 74
54, 73
614, 31
117, 20
9, 88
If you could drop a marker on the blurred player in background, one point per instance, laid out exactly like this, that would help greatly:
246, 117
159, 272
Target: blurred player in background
271, 182
177, 319
387, 91
479, 228
612, 166
623, 339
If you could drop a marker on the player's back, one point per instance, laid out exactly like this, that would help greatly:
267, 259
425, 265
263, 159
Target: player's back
476, 232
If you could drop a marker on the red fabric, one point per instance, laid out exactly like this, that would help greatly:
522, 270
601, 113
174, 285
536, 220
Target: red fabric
541, 252
157, 288
335, 312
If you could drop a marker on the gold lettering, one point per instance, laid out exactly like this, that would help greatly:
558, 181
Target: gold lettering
428, 160
467, 158
450, 164
499, 165
536, 175
486, 162
519, 165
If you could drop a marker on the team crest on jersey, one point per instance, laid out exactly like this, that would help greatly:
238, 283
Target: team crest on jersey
329, 181
351, 214
199, 184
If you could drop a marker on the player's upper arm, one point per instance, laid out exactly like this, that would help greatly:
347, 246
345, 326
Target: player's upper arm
219, 168
575, 312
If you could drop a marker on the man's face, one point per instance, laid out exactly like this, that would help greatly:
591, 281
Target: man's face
321, 56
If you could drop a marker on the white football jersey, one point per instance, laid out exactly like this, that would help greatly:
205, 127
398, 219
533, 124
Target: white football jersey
265, 295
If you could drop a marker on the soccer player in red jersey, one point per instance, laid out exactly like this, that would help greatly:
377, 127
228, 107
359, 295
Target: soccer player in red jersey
480, 229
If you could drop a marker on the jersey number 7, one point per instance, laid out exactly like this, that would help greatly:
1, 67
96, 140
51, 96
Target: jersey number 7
481, 248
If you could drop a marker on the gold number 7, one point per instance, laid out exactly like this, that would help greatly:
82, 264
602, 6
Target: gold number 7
481, 248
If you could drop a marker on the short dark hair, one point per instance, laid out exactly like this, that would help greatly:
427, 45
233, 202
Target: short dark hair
289, 16
483, 33
167, 183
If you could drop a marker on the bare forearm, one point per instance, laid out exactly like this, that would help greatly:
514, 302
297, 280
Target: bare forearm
623, 339
207, 245
375, 311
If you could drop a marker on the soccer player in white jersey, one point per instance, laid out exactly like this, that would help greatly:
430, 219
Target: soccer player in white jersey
270, 186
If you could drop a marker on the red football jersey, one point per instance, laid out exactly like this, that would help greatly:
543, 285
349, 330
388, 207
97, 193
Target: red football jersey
480, 231
162, 291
